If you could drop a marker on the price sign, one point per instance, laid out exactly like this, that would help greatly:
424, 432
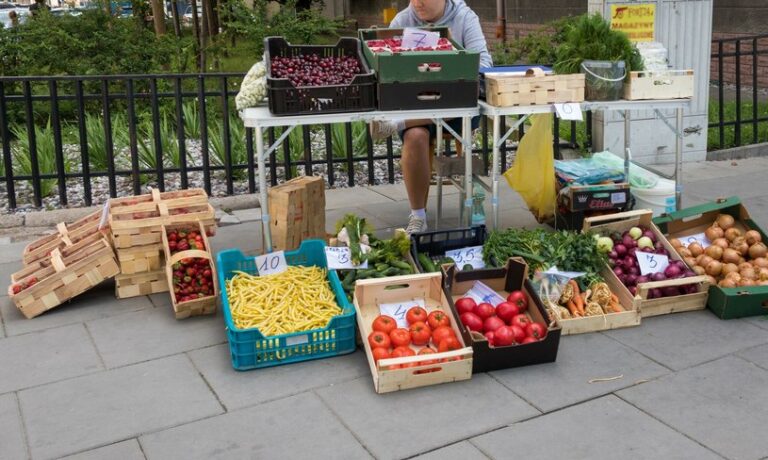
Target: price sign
399, 309
480, 292
700, 238
569, 111
340, 258
417, 38
651, 263
472, 255
272, 263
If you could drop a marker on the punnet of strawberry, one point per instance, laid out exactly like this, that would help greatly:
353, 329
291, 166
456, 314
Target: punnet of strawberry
185, 240
27, 283
192, 279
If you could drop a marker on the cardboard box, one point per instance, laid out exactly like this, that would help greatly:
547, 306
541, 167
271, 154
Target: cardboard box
297, 212
726, 303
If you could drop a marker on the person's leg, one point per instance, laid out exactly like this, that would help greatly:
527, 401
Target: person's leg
415, 166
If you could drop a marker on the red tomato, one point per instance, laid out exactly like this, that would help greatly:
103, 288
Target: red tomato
420, 333
378, 339
384, 323
472, 322
506, 310
491, 337
536, 330
380, 353
484, 310
521, 320
442, 332
465, 305
518, 332
416, 314
529, 340
492, 323
400, 352
427, 351
438, 318
448, 344
518, 298
504, 336
400, 337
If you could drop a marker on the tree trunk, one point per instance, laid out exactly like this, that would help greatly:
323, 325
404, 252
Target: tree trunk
204, 37
158, 17
215, 22
196, 28
176, 19
208, 17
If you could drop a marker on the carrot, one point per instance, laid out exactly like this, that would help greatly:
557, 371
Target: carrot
572, 308
614, 304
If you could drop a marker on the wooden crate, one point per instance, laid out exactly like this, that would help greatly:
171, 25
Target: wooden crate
202, 306
297, 212
534, 89
140, 259
67, 277
622, 222
370, 293
671, 84
127, 286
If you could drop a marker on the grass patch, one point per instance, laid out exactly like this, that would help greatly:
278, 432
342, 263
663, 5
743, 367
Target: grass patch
729, 132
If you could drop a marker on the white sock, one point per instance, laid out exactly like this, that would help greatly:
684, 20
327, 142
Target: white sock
420, 213
400, 125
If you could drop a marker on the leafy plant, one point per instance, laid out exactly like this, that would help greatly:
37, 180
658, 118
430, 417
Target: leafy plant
239, 154
191, 112
538, 47
339, 139
145, 141
46, 155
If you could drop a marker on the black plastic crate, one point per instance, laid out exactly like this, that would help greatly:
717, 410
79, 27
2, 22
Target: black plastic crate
436, 243
431, 95
287, 99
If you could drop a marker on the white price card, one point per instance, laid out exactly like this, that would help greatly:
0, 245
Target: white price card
569, 111
471, 255
340, 258
700, 238
480, 292
651, 263
398, 310
271, 263
104, 215
417, 38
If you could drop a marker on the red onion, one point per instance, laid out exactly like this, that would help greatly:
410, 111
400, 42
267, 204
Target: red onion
630, 261
672, 271
662, 251
642, 279
656, 292
632, 251
633, 290
628, 241
670, 291
613, 254
618, 271
620, 249
633, 270
650, 234
631, 280
658, 276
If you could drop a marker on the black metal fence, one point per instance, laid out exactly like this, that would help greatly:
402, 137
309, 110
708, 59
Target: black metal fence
43, 120
741, 66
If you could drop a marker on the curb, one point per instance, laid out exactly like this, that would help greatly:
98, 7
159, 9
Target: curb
49, 218
739, 153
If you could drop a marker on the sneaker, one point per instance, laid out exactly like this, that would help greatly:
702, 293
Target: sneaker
382, 129
416, 225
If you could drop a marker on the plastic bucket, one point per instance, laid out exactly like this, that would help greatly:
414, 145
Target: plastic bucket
660, 199
603, 80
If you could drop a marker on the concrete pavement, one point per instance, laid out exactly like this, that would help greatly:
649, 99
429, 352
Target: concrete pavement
106, 379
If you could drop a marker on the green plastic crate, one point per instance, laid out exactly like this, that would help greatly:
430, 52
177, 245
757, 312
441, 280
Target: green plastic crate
458, 65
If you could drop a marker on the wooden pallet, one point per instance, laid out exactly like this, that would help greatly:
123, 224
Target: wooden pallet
534, 89
66, 277
127, 286
671, 84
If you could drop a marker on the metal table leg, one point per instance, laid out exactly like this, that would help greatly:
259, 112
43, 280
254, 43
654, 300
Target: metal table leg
467, 141
438, 177
627, 144
679, 159
263, 190
496, 166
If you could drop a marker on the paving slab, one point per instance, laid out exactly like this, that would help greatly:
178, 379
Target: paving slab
397, 192
247, 237
757, 355
126, 450
684, 339
12, 252
161, 300
47, 356
759, 321
581, 358
235, 389
6, 270
369, 213
475, 406
344, 198
459, 451
97, 303
721, 404
92, 411
153, 333
248, 215
296, 427
604, 428
11, 432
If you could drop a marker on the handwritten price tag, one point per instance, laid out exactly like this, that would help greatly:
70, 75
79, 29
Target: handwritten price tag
417, 38
480, 292
651, 263
340, 258
272, 263
700, 238
399, 309
569, 111
472, 255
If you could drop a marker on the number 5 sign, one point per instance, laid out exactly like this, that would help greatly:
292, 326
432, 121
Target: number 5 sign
272, 263
651, 263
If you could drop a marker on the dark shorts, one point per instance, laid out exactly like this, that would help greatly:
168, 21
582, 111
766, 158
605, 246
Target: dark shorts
454, 123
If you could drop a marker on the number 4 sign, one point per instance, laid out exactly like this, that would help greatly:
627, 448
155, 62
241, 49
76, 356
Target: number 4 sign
272, 263
651, 263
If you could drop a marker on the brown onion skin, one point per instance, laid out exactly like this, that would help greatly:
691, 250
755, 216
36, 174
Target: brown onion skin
730, 256
714, 268
757, 250
715, 252
732, 233
753, 236
727, 283
730, 268
713, 233
675, 243
722, 242
760, 262
725, 221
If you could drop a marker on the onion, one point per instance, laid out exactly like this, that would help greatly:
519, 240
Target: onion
730, 268
672, 271
715, 252
762, 283
642, 279
623, 279
680, 264
748, 273
631, 280
618, 271
727, 283
670, 291
655, 292
613, 255
745, 282
714, 268
744, 265
699, 270
760, 262
633, 290
688, 273
645, 242
762, 274
730, 256
685, 252
662, 251
725, 221
628, 241
633, 270
635, 232
732, 233
695, 249
650, 234
742, 248
620, 249
753, 236
711, 280
722, 242
631, 251
690, 261
733, 276
704, 260
757, 250
675, 243
713, 233
630, 261
742, 260
658, 276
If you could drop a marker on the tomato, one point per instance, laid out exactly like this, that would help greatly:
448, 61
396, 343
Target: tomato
415, 315
427, 351
465, 305
442, 332
472, 322
400, 337
378, 339
490, 336
518, 298
380, 353
384, 323
504, 336
400, 352
438, 318
448, 344
484, 310
536, 330
518, 332
529, 340
420, 333
520, 320
506, 310
492, 323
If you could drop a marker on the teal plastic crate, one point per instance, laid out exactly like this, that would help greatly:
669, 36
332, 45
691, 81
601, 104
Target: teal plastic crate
250, 349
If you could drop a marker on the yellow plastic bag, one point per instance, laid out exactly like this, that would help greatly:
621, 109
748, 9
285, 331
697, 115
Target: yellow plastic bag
533, 173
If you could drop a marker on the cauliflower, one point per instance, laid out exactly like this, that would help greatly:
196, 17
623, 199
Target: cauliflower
253, 89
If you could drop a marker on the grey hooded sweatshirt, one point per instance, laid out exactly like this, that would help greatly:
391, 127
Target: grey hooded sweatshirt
460, 20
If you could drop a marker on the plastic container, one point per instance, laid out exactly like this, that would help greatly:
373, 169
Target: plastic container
250, 349
436, 244
660, 198
604, 80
